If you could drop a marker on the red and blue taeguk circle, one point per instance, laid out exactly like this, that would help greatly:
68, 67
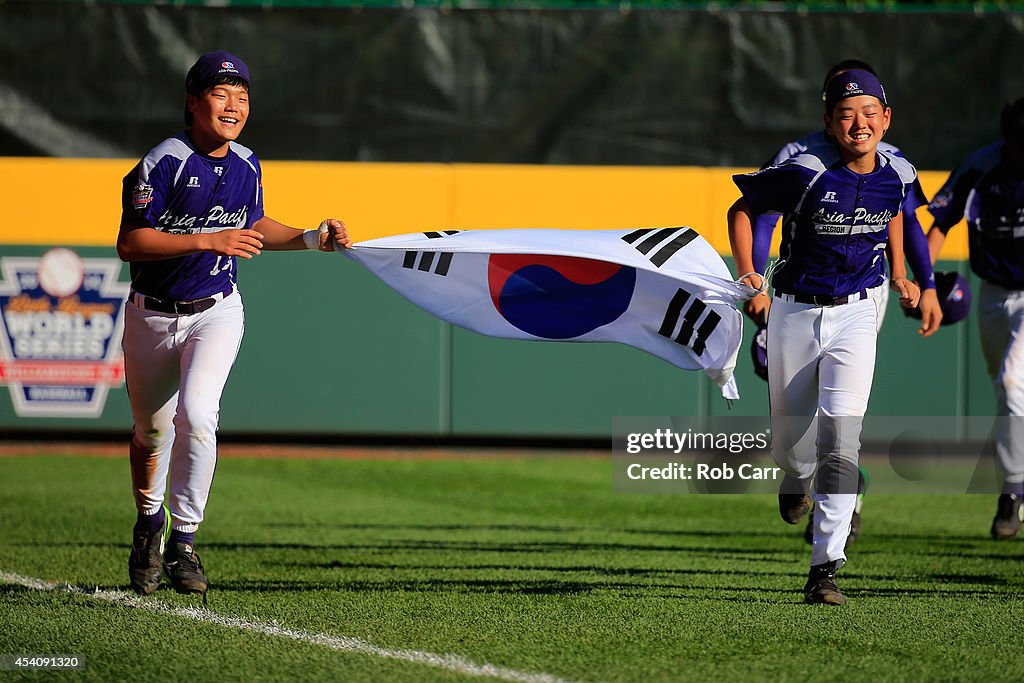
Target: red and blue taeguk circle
558, 297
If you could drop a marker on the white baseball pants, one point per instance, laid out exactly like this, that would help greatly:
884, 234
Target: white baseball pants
881, 297
821, 362
176, 367
1001, 320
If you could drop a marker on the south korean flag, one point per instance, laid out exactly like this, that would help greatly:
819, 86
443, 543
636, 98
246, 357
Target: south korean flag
663, 290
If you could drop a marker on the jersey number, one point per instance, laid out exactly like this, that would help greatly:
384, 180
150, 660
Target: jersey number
218, 268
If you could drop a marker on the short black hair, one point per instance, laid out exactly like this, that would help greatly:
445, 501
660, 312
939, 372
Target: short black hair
199, 88
1012, 122
220, 80
845, 65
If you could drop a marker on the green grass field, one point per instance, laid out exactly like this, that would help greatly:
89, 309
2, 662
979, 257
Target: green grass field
527, 562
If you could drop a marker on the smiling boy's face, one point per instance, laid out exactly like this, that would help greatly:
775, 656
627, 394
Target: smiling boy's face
219, 114
858, 123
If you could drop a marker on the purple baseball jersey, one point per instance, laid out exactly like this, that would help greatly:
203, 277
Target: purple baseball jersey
177, 190
990, 195
915, 245
835, 221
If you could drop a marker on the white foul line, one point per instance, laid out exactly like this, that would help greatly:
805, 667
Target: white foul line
340, 643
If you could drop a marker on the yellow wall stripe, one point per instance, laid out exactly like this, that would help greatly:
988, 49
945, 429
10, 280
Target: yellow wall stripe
378, 199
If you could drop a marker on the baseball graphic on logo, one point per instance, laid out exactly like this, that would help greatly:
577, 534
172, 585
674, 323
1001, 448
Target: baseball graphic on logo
60, 272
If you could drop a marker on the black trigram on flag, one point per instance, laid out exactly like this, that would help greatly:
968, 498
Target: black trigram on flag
668, 241
429, 262
688, 307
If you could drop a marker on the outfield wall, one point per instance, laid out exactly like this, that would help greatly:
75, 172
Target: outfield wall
329, 350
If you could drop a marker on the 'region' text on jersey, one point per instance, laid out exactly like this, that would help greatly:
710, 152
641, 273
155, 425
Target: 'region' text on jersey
177, 190
989, 193
835, 221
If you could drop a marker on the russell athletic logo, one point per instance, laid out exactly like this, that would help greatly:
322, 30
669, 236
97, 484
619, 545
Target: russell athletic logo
558, 297
61, 319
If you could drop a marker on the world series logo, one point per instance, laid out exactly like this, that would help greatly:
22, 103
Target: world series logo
60, 333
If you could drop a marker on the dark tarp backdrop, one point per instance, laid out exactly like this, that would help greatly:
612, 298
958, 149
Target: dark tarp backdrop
644, 87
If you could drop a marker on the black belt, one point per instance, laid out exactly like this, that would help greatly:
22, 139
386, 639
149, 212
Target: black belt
815, 300
177, 307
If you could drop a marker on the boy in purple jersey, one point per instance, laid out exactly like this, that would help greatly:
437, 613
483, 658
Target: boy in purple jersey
841, 207
987, 188
915, 247
915, 244
190, 207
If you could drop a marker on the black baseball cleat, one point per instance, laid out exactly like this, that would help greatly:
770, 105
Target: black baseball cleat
1009, 516
821, 588
145, 562
185, 570
793, 506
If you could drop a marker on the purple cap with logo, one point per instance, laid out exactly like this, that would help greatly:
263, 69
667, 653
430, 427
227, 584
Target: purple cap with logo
212, 66
851, 84
954, 296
